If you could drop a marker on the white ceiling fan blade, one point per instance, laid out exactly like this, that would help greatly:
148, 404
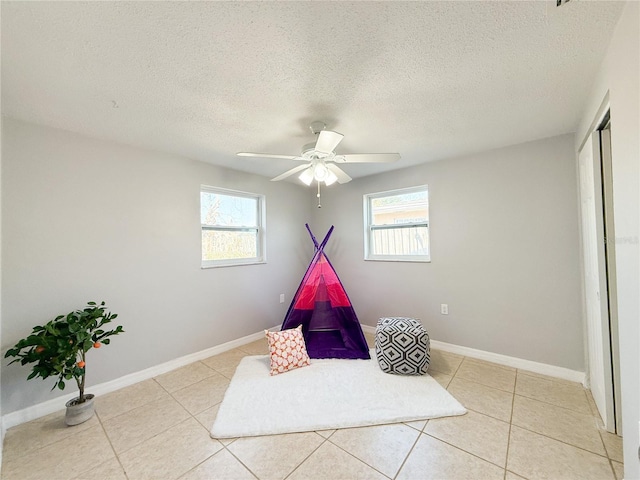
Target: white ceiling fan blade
342, 176
288, 173
266, 155
328, 141
367, 158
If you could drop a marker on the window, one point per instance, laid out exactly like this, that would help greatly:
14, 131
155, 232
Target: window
397, 225
232, 227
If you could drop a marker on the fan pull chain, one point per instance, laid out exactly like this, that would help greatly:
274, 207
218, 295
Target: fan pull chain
318, 195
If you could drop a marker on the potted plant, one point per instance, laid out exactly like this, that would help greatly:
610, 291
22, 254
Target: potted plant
59, 348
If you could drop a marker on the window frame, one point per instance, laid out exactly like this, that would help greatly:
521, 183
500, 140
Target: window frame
260, 229
369, 228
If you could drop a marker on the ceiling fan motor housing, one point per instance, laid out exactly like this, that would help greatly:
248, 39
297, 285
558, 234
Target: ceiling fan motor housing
317, 127
308, 149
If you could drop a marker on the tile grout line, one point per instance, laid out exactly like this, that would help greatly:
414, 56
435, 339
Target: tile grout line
203, 461
466, 379
71, 435
613, 469
352, 455
240, 461
410, 451
324, 440
471, 360
554, 405
513, 401
465, 451
21, 455
563, 442
604, 445
549, 378
154, 436
600, 432
141, 405
111, 445
594, 412
556, 439
478, 411
224, 447
479, 361
458, 368
159, 433
100, 421
486, 415
214, 439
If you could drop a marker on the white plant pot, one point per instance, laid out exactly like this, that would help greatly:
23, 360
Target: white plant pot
79, 412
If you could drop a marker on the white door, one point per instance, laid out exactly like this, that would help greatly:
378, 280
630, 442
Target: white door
610, 253
595, 287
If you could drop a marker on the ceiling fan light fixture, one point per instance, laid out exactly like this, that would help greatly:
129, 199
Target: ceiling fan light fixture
306, 176
331, 178
320, 172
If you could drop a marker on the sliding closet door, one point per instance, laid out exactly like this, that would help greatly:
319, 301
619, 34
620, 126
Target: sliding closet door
595, 287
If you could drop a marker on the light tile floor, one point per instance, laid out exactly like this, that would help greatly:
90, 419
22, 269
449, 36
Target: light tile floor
520, 425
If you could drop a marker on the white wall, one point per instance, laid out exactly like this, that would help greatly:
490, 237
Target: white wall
619, 76
85, 219
504, 250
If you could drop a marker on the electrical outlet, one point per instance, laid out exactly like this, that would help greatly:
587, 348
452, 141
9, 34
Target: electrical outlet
282, 298
444, 309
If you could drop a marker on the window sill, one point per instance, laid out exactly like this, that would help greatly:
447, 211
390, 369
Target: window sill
398, 259
239, 264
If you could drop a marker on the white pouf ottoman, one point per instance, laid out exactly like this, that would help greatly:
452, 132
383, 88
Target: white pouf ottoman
402, 346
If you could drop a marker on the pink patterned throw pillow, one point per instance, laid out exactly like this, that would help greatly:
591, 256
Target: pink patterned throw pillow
288, 350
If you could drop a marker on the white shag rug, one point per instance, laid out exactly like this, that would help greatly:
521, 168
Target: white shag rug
328, 394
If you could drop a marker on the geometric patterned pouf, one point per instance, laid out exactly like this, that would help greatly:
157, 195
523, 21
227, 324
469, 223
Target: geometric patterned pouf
402, 346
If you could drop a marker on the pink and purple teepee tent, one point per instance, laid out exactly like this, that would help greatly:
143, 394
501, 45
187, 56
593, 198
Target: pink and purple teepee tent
329, 323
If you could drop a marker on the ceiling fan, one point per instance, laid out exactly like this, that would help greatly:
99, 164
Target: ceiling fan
320, 158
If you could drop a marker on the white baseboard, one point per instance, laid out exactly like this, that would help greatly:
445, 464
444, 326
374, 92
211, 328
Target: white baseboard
50, 406
368, 329
520, 363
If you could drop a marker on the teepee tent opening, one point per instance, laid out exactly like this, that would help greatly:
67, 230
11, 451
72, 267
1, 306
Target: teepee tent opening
329, 323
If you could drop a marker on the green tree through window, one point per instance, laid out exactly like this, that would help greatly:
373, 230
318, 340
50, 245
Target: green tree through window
232, 227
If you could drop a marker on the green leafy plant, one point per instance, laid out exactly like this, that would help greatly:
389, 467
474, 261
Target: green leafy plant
59, 347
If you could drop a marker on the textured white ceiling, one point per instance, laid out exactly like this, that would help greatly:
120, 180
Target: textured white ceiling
429, 80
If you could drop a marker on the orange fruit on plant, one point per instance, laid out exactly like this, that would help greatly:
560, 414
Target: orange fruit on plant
81, 364
97, 345
39, 349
